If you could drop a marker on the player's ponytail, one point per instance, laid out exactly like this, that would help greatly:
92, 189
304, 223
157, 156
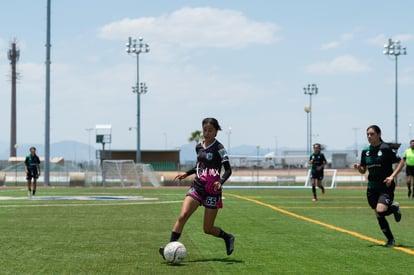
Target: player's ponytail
377, 130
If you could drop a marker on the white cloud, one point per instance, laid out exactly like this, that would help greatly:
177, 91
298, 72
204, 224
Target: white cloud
195, 27
338, 43
381, 39
340, 64
378, 40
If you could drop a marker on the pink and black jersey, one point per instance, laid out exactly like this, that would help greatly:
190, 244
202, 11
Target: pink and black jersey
208, 168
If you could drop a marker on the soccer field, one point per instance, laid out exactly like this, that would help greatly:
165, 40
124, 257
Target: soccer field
93, 231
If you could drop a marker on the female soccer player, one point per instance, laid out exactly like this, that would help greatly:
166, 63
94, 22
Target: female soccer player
318, 161
378, 159
32, 169
206, 188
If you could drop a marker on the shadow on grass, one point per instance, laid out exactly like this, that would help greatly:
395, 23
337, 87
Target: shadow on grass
398, 245
221, 260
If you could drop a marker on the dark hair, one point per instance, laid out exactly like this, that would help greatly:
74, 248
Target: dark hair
212, 121
317, 144
412, 140
376, 129
34, 148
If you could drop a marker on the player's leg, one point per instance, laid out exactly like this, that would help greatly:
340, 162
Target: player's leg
29, 184
320, 185
34, 185
384, 208
409, 184
210, 215
313, 182
189, 206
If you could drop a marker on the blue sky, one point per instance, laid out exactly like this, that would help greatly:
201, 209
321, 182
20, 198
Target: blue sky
243, 62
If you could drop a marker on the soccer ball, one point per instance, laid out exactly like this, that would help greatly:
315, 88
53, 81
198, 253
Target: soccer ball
174, 252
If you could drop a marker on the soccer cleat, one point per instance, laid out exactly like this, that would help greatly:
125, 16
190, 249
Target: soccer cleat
323, 190
409, 193
397, 213
229, 244
390, 243
34, 192
161, 251
314, 199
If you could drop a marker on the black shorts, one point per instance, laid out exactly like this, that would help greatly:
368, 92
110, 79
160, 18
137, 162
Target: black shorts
409, 170
380, 195
317, 174
32, 174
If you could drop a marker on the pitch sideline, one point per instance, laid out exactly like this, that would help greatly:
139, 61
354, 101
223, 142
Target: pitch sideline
327, 225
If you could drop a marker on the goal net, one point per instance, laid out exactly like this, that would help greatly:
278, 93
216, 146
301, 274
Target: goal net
120, 173
147, 174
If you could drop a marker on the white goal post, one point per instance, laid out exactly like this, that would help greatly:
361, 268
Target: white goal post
329, 178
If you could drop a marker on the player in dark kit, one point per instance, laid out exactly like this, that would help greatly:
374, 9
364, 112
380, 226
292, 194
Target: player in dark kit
378, 159
32, 169
318, 161
206, 188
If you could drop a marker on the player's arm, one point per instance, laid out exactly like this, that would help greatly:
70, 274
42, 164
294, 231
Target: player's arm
26, 161
397, 170
186, 174
227, 172
361, 168
38, 168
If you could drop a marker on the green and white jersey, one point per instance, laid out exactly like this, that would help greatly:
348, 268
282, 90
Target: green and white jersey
32, 162
378, 160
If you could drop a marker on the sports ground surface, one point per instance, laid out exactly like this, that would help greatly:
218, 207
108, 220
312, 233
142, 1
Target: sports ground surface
278, 231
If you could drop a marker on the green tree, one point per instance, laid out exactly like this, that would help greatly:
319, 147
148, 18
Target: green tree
195, 136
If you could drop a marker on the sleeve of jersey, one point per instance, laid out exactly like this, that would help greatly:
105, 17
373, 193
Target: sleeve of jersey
362, 161
227, 172
191, 171
226, 164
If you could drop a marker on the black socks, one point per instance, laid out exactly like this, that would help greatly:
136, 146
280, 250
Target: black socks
175, 236
385, 228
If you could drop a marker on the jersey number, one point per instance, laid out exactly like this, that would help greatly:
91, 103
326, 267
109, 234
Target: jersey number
211, 201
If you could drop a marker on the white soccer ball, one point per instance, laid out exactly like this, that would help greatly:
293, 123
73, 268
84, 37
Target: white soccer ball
174, 252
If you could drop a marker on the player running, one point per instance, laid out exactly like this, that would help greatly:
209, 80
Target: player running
207, 186
32, 169
318, 161
378, 159
409, 168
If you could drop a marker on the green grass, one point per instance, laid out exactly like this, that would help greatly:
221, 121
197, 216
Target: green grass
122, 237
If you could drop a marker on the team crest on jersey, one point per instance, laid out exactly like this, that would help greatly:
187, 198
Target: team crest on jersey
367, 153
209, 156
379, 153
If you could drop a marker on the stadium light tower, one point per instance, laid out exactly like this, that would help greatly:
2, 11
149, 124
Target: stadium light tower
394, 48
137, 47
310, 90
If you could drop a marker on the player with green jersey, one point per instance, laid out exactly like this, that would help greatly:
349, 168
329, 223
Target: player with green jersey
32, 169
318, 161
378, 159
408, 158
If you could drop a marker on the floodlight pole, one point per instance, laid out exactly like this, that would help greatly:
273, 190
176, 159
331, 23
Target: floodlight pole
395, 49
47, 105
136, 47
310, 90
